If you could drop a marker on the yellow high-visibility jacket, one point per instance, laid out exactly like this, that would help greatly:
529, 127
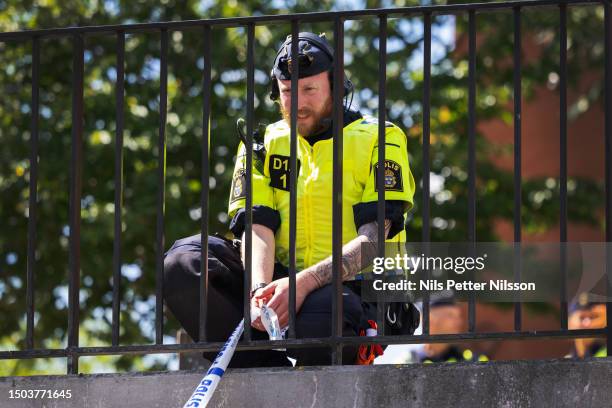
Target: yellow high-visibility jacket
314, 184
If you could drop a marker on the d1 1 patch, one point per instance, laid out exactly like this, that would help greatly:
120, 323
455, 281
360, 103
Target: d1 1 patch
393, 176
238, 186
280, 171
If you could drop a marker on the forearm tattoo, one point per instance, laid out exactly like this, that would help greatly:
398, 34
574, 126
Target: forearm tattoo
356, 254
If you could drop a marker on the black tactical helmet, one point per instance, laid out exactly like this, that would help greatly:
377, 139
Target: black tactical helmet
315, 55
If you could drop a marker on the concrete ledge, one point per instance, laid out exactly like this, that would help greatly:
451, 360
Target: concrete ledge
553, 383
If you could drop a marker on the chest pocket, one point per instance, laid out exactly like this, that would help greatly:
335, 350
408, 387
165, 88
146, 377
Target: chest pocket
279, 168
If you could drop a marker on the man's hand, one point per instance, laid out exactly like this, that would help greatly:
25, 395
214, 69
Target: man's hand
256, 304
276, 296
263, 263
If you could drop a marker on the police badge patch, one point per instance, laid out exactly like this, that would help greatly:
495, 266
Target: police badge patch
393, 176
238, 186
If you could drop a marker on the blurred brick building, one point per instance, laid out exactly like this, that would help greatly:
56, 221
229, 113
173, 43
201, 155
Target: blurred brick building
540, 153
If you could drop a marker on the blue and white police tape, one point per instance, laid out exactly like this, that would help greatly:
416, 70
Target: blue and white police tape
205, 389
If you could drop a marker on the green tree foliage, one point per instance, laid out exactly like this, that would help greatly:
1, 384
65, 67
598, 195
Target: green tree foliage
184, 140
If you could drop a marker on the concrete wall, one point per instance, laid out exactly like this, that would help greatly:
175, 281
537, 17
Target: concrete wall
556, 383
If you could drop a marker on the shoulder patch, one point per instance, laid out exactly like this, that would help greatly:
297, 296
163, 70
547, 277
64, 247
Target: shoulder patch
393, 176
238, 186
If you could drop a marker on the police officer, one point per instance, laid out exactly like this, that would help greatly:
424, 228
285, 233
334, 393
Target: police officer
586, 313
446, 317
270, 250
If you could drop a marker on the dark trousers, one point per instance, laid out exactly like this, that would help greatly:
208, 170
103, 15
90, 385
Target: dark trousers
225, 304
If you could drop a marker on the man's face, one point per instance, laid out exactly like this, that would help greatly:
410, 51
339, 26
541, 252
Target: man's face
447, 319
314, 102
591, 318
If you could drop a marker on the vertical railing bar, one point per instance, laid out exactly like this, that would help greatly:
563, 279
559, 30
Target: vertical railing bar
161, 185
608, 165
426, 232
517, 163
204, 204
338, 113
249, 182
119, 115
76, 166
380, 185
472, 157
293, 176
563, 160
33, 198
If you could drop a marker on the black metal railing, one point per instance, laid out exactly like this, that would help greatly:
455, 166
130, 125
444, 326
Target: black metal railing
73, 350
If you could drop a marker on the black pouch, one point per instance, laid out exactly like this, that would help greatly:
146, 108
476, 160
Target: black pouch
401, 318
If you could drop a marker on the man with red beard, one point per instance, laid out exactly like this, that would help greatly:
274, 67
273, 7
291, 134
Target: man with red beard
270, 251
